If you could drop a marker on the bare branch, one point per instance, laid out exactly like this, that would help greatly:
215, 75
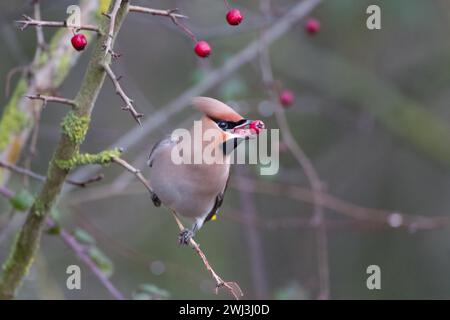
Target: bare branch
134, 171
128, 102
157, 12
28, 21
232, 287
171, 13
36, 176
46, 99
112, 21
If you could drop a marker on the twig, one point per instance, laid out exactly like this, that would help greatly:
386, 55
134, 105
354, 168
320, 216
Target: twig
128, 102
233, 287
9, 76
36, 176
157, 12
28, 21
107, 46
46, 99
134, 171
80, 251
171, 13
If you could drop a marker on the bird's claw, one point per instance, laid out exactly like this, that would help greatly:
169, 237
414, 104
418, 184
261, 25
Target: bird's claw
185, 236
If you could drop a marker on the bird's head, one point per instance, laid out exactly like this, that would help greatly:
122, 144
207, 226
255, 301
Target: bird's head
222, 117
232, 128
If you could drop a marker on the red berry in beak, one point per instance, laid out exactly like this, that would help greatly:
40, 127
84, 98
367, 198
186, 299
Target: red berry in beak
257, 126
79, 41
234, 17
312, 26
287, 98
202, 49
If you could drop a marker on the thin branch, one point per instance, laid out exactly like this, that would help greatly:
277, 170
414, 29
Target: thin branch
233, 287
128, 102
28, 21
38, 177
388, 217
107, 46
10, 75
45, 99
171, 13
157, 12
134, 171
80, 251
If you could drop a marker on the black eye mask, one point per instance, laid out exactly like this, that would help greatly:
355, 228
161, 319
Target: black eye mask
226, 125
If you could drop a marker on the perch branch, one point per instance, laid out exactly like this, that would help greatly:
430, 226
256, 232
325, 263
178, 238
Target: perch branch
233, 287
119, 91
28, 21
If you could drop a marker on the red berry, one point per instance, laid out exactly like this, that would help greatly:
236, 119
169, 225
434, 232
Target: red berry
202, 49
312, 26
257, 126
79, 41
287, 98
234, 17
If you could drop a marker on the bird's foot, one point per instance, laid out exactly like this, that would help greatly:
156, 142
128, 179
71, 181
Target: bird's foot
155, 199
185, 236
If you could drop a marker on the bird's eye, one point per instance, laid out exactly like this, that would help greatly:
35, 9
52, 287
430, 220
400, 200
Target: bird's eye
222, 125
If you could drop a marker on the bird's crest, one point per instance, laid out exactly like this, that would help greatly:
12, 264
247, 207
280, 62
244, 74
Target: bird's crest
216, 109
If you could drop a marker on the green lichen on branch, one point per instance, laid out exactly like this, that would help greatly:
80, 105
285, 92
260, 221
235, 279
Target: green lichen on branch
81, 159
13, 120
75, 127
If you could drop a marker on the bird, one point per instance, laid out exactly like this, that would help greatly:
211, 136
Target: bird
196, 190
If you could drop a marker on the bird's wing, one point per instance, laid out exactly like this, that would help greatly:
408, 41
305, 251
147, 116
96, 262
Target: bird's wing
160, 143
218, 202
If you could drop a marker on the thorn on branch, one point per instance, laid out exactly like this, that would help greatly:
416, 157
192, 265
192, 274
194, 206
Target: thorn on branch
171, 13
28, 21
119, 91
46, 99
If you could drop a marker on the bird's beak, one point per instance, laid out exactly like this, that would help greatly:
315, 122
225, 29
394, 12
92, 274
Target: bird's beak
248, 129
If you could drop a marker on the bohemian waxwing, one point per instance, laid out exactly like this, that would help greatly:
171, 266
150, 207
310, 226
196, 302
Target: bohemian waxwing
196, 190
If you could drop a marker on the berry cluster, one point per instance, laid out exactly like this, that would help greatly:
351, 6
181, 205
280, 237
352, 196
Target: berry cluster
234, 17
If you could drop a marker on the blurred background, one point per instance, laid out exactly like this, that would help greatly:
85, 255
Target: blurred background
370, 112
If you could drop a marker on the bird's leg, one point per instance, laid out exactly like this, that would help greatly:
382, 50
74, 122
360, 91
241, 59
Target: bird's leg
155, 199
185, 236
